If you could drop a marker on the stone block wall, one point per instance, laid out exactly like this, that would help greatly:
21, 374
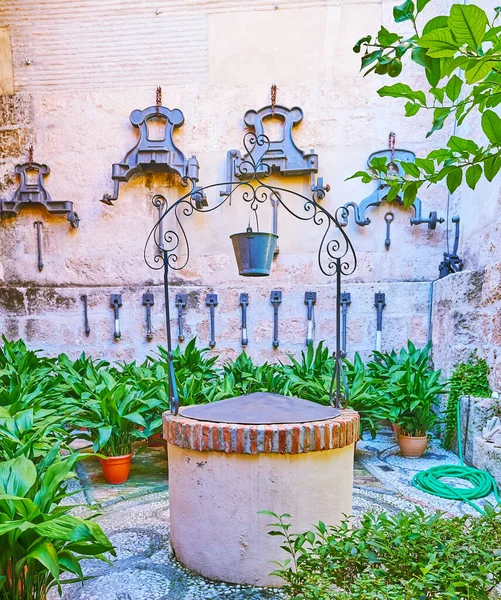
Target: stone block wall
74, 74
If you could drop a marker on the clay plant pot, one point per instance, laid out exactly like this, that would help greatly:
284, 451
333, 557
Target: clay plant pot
116, 468
412, 447
396, 430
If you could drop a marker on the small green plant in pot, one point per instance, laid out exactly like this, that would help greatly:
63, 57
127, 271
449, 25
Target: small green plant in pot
115, 415
412, 394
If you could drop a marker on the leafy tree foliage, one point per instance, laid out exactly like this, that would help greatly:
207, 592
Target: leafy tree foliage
460, 54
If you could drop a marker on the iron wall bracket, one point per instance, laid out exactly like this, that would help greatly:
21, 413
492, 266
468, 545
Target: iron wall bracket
32, 192
280, 156
154, 156
452, 263
379, 195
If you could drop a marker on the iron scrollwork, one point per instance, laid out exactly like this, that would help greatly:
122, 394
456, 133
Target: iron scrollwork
336, 255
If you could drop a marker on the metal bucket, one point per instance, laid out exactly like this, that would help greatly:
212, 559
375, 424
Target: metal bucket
254, 252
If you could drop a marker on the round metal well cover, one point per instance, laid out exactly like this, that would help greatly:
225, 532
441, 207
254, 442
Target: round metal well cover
260, 408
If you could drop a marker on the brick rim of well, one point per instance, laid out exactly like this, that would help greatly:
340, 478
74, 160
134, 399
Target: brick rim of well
231, 438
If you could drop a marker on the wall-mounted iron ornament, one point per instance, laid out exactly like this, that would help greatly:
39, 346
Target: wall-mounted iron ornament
345, 302
275, 299
38, 226
211, 302
310, 299
392, 155
154, 155
86, 315
244, 303
451, 263
281, 155
181, 304
379, 303
336, 256
116, 303
148, 301
32, 192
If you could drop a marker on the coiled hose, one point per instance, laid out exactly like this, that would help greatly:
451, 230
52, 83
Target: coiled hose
481, 483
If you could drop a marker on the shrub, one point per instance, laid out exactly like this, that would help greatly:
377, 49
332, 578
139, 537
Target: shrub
408, 556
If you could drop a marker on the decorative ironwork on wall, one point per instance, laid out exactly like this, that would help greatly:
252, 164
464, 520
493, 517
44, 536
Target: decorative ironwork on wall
167, 248
153, 155
32, 192
392, 155
282, 155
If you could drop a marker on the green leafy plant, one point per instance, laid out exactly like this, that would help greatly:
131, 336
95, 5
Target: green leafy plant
407, 556
39, 539
469, 378
115, 414
412, 389
460, 54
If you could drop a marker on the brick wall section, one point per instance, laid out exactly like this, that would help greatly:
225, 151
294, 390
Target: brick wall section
262, 439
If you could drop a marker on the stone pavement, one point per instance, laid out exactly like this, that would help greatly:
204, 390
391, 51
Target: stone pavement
136, 518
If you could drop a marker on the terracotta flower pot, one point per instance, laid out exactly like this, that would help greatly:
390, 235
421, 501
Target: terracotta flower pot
412, 447
396, 430
116, 468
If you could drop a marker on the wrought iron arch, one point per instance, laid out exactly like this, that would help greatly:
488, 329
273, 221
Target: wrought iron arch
336, 255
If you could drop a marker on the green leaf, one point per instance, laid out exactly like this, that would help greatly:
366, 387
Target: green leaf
454, 179
411, 109
402, 90
418, 55
433, 74
453, 88
468, 22
438, 93
17, 476
440, 43
458, 144
436, 23
368, 59
410, 169
473, 174
104, 434
439, 116
386, 38
491, 125
421, 4
46, 554
492, 164
478, 69
361, 41
410, 193
426, 164
404, 12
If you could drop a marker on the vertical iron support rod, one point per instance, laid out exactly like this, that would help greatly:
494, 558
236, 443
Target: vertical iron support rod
86, 316
244, 302
275, 299
211, 302
173, 395
38, 226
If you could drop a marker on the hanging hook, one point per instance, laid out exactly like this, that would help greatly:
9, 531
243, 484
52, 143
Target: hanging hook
273, 94
30, 155
392, 140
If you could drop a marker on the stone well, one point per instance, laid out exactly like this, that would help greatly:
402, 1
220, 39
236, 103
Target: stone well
223, 471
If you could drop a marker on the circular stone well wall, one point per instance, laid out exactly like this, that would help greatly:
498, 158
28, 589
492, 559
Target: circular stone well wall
221, 475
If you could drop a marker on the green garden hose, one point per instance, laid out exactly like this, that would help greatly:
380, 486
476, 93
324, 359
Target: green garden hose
481, 483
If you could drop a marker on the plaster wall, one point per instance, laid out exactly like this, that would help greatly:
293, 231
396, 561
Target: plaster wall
91, 63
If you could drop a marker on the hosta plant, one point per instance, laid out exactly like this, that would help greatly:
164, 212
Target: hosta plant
39, 539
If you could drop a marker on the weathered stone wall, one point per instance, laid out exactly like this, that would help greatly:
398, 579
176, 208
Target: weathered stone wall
91, 63
467, 305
